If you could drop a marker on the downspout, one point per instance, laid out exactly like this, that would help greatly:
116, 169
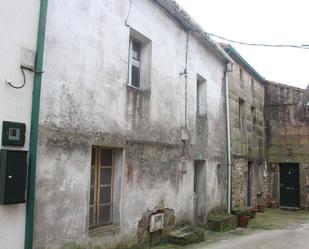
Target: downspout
36, 94
186, 81
228, 69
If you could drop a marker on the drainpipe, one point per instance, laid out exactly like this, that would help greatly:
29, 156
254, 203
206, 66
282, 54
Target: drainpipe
36, 94
228, 69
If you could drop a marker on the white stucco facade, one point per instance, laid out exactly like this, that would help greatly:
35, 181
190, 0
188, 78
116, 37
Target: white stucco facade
18, 27
86, 101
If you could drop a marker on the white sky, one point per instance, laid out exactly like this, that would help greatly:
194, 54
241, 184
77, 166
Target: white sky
261, 21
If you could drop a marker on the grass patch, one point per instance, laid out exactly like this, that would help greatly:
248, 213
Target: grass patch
168, 246
279, 219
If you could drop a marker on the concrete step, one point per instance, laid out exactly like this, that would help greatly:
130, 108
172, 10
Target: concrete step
186, 235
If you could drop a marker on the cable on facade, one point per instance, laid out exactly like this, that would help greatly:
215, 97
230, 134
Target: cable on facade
260, 44
129, 11
186, 79
24, 80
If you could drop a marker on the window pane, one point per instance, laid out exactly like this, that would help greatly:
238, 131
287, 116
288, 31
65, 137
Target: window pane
105, 195
105, 213
91, 220
93, 154
106, 176
136, 50
92, 176
106, 157
135, 80
91, 195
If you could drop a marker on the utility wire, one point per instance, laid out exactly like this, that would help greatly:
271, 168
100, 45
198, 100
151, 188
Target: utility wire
128, 15
260, 44
24, 80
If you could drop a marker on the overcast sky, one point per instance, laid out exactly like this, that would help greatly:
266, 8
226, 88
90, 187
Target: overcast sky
262, 21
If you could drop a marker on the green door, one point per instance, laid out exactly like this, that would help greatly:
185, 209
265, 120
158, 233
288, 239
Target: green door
289, 184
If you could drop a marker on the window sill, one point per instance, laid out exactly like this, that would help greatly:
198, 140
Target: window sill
107, 230
137, 90
201, 115
134, 87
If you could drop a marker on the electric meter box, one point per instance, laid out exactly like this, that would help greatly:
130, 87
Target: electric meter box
13, 133
13, 176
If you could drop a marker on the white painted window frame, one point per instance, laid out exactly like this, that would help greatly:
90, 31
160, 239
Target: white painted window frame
134, 62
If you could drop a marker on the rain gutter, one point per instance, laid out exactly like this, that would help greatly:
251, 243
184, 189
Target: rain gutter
36, 95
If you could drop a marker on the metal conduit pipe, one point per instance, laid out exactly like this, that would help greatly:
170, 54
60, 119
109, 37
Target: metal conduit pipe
36, 95
228, 69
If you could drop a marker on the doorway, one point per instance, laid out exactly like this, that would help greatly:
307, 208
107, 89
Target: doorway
289, 184
199, 191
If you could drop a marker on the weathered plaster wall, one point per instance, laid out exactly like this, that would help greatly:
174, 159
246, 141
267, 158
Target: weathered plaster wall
86, 101
248, 143
18, 31
287, 137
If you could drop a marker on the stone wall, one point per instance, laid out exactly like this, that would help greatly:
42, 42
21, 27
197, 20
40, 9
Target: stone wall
304, 185
272, 182
248, 141
287, 135
238, 179
240, 182
247, 138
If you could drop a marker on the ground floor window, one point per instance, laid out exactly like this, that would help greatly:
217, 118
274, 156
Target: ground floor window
101, 187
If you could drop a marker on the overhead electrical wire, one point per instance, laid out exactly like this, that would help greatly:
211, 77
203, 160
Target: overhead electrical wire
260, 44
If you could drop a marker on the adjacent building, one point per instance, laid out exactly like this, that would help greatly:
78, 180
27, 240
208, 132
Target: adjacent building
287, 136
246, 100
19, 28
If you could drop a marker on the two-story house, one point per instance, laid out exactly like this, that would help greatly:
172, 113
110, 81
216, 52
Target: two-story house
132, 121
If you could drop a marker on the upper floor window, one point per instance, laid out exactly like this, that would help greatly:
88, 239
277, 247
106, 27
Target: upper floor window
139, 61
201, 96
253, 116
241, 114
135, 63
241, 74
252, 84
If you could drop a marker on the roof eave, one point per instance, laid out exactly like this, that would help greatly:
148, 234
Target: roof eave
174, 9
234, 54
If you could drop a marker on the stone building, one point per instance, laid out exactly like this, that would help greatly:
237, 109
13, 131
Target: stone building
132, 121
246, 100
287, 133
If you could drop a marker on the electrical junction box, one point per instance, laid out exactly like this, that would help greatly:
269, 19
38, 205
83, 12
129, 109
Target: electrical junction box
13, 133
156, 222
27, 58
13, 176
